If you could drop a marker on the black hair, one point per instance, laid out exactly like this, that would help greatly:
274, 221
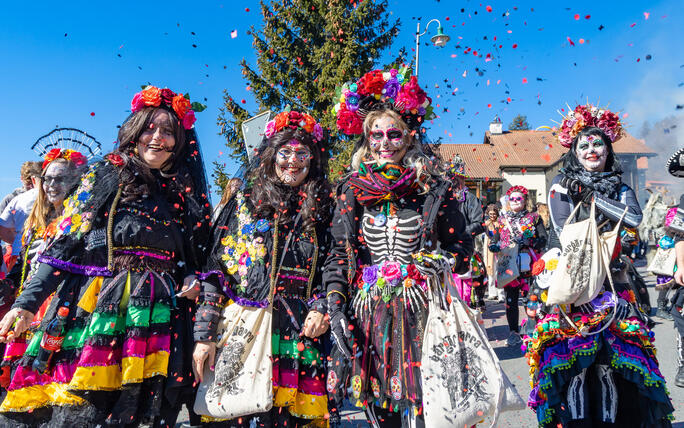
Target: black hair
269, 196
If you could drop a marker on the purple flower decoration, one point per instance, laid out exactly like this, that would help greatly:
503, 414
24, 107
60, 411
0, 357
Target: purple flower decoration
370, 274
391, 88
603, 301
352, 101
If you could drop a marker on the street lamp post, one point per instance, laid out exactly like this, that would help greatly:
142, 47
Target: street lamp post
439, 39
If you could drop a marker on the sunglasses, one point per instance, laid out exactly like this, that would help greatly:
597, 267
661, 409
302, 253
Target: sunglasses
56, 180
516, 199
393, 135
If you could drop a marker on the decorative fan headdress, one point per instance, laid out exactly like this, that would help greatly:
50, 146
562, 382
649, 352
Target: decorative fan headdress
393, 89
71, 144
291, 119
588, 115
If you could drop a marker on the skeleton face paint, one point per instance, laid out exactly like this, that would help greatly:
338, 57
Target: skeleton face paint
292, 163
516, 200
387, 142
155, 144
592, 153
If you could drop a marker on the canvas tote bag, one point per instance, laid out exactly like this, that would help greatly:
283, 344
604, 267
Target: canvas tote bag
663, 262
607, 241
579, 266
507, 269
462, 379
242, 381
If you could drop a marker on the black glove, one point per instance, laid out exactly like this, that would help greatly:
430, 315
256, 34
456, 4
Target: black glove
339, 324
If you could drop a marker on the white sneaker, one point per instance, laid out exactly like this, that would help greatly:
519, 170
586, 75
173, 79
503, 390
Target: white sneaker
513, 339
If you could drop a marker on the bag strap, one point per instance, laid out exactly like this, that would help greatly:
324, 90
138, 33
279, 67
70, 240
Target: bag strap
572, 214
288, 239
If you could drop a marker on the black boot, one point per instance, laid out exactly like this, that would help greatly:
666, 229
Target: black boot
679, 379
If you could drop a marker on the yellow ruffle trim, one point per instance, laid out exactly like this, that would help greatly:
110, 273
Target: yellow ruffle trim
301, 405
110, 378
37, 396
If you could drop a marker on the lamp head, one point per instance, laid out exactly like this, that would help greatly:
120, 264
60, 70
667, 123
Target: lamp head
440, 39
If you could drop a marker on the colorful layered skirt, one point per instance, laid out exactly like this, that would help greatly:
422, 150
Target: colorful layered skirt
299, 365
556, 353
390, 312
115, 351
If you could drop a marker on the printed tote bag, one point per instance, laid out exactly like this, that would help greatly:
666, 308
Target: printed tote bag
579, 266
463, 382
241, 383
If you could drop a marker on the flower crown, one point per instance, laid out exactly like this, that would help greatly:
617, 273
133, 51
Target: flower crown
519, 189
294, 120
394, 89
72, 156
584, 116
151, 96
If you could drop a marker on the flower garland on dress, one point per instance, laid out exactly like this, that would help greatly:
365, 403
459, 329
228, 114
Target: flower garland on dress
584, 116
291, 119
244, 249
72, 156
151, 96
396, 89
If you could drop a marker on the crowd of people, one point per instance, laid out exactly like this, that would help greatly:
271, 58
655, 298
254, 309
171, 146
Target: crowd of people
125, 296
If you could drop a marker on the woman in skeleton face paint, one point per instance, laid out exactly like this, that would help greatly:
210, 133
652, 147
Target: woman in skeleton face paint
398, 220
601, 370
277, 227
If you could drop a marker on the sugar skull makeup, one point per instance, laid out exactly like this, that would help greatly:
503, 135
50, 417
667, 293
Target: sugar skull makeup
386, 141
592, 153
56, 181
292, 163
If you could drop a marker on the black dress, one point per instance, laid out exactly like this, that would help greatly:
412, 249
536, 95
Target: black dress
116, 265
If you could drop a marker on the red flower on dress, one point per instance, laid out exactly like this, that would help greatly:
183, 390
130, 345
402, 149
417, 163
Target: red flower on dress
115, 159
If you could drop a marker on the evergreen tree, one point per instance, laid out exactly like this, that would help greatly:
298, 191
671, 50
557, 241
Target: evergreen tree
306, 48
519, 123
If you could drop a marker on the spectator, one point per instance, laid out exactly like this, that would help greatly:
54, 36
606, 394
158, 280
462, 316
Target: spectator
17, 210
29, 172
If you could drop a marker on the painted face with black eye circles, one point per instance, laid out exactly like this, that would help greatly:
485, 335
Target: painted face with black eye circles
386, 141
292, 163
592, 153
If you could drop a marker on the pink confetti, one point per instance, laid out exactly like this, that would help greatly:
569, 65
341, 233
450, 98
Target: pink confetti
524, 80
646, 15
577, 17
233, 34
570, 41
489, 8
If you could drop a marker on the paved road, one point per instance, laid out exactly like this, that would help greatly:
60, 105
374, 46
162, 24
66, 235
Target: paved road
517, 370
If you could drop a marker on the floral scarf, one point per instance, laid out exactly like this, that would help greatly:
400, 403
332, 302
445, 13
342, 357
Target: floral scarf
382, 183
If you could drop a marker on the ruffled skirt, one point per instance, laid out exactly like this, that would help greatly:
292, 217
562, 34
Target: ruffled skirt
115, 353
615, 369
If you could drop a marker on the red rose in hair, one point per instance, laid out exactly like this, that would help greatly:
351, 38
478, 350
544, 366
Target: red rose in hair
294, 118
167, 95
115, 159
371, 83
77, 158
349, 122
50, 156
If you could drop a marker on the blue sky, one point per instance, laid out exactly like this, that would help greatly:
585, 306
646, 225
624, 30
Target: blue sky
78, 64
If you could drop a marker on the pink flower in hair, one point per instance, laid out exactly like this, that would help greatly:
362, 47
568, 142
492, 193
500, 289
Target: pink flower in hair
189, 119
137, 102
317, 132
270, 129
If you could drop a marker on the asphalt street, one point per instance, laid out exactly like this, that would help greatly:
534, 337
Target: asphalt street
516, 368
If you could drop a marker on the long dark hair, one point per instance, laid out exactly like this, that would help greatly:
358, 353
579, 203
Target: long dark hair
268, 195
137, 178
571, 162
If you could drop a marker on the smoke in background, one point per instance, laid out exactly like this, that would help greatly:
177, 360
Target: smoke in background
664, 137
